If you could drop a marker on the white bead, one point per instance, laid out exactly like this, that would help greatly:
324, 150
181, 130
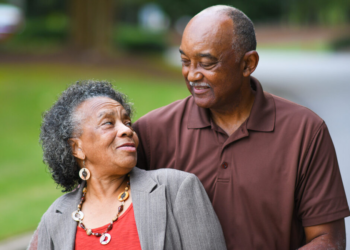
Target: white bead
105, 239
77, 215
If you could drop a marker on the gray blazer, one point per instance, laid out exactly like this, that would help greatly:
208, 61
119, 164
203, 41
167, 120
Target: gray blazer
172, 211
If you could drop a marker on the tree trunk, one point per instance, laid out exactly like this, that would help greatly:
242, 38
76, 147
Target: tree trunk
91, 25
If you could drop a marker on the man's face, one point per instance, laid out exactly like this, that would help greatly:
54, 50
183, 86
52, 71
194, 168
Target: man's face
209, 65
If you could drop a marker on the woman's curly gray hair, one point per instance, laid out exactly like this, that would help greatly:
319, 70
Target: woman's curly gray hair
61, 122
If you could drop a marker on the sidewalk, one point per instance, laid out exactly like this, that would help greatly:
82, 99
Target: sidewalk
19, 242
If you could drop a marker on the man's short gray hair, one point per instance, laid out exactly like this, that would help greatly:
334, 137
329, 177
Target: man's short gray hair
243, 29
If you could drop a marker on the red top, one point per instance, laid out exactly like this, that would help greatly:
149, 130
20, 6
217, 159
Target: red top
123, 235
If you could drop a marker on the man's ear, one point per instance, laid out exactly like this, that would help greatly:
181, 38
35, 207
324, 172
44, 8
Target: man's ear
77, 150
250, 59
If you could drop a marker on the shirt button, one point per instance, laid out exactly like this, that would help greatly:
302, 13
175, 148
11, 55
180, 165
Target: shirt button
224, 165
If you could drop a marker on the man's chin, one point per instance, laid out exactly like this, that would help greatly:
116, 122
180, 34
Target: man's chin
203, 102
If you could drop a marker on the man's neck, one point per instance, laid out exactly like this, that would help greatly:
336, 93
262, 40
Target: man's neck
231, 118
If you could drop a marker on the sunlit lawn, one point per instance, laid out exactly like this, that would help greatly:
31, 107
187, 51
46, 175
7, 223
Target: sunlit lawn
26, 90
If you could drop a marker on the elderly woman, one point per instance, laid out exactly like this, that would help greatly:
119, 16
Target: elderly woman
90, 148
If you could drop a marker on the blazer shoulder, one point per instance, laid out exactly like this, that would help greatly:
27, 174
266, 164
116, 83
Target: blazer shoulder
172, 175
61, 202
171, 179
165, 176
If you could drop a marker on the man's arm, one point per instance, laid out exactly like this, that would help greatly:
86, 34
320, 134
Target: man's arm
141, 131
321, 198
326, 236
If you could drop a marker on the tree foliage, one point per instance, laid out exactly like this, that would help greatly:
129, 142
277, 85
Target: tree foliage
288, 11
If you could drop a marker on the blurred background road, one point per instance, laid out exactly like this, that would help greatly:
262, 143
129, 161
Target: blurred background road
304, 49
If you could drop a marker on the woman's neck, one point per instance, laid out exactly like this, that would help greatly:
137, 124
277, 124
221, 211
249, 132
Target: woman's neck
102, 203
105, 188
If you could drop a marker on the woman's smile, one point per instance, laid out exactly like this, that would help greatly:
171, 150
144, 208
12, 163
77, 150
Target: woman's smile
130, 147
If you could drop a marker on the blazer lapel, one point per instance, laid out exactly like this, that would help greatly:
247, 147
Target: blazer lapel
149, 203
64, 232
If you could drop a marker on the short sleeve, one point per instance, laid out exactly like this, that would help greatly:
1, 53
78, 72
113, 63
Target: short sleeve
320, 195
141, 131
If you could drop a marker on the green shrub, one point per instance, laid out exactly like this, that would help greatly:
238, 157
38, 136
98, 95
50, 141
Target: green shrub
342, 43
134, 38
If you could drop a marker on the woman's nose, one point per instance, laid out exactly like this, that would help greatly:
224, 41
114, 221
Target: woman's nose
124, 130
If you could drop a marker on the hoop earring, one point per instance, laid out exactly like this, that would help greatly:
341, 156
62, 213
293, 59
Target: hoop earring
84, 173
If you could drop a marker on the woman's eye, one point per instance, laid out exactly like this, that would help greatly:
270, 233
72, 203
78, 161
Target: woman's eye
128, 124
108, 123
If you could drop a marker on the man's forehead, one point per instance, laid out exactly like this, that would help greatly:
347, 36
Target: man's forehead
209, 24
203, 31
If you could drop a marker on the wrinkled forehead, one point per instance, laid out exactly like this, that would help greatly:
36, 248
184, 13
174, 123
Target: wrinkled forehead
97, 107
210, 30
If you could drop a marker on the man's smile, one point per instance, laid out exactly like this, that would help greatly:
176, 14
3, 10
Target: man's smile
199, 87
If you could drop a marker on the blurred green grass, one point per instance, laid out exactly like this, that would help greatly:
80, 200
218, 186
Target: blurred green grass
26, 91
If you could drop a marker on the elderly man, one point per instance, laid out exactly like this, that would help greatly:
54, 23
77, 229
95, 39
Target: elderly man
268, 165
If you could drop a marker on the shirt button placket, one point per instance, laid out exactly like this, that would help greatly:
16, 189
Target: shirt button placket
224, 165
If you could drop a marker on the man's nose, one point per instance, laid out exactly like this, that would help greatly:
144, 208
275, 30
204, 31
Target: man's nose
194, 74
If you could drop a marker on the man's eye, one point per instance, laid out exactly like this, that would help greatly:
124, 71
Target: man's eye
108, 123
185, 62
207, 65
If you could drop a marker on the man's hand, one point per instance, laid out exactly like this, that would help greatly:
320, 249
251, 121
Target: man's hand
326, 236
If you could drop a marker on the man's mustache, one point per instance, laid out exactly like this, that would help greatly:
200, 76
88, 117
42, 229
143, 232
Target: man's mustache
199, 84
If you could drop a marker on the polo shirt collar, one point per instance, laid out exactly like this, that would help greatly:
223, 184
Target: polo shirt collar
262, 116
199, 118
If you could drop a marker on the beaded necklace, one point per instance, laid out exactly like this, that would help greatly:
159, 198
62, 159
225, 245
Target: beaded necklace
105, 237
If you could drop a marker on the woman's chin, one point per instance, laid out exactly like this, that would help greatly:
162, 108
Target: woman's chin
128, 165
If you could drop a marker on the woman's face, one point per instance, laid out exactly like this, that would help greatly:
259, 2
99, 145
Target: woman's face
108, 141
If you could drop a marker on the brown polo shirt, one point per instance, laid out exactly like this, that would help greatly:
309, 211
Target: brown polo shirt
273, 176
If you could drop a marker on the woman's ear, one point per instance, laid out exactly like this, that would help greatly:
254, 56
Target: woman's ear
251, 60
77, 150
